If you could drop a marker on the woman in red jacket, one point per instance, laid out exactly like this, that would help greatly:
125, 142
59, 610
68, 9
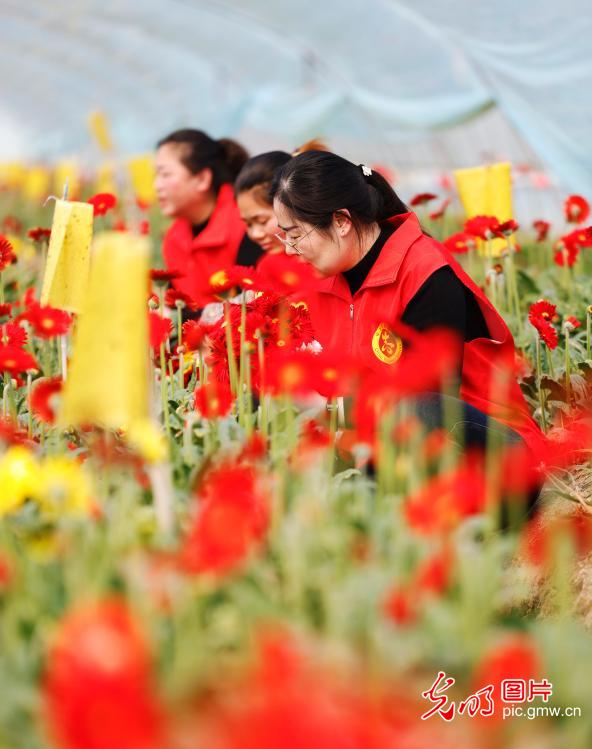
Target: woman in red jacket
380, 267
194, 175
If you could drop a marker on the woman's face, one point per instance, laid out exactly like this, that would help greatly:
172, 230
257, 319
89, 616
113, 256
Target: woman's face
179, 191
328, 253
260, 220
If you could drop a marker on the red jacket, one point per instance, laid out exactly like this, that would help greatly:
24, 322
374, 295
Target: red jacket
344, 323
214, 248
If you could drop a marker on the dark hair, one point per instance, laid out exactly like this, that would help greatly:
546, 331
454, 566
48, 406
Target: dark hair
316, 184
259, 172
225, 157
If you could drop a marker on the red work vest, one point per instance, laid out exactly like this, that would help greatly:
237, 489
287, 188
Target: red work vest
214, 248
348, 324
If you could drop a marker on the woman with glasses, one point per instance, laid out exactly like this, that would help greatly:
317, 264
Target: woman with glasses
194, 175
380, 267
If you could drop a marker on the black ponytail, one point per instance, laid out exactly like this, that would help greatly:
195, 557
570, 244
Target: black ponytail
316, 184
197, 151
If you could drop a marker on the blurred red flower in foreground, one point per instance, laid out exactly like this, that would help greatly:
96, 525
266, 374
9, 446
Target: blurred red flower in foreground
193, 334
43, 391
160, 329
98, 690
13, 334
102, 202
213, 399
514, 657
232, 517
284, 274
540, 315
7, 255
542, 229
447, 499
576, 209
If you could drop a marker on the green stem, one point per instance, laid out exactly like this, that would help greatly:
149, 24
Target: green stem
232, 369
163, 392
539, 367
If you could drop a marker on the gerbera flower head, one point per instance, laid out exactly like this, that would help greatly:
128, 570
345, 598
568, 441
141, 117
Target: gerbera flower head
160, 329
213, 399
14, 360
422, 198
43, 394
46, 321
576, 209
541, 314
284, 274
460, 242
102, 202
39, 234
174, 298
7, 255
164, 275
13, 334
484, 227
542, 229
194, 334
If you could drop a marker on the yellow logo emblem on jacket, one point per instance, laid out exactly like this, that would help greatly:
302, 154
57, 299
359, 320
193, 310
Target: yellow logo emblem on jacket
387, 346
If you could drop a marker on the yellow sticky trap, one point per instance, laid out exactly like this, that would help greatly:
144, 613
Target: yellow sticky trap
487, 191
142, 174
100, 130
37, 184
68, 257
108, 378
67, 171
105, 181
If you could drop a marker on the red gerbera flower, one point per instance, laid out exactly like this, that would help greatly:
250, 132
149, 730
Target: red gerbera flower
194, 334
98, 689
232, 518
102, 202
46, 321
446, 500
542, 229
164, 275
576, 209
284, 274
160, 329
226, 282
7, 255
401, 606
578, 238
14, 360
12, 334
291, 373
573, 321
213, 400
43, 392
484, 227
422, 198
39, 234
540, 315
438, 213
460, 242
5, 309
172, 296
507, 228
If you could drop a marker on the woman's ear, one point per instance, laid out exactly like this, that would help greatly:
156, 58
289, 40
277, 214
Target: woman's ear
342, 222
203, 180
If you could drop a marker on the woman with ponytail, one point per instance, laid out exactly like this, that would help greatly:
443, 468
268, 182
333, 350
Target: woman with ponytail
379, 269
194, 176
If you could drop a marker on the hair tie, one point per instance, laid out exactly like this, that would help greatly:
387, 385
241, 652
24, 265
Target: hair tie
366, 171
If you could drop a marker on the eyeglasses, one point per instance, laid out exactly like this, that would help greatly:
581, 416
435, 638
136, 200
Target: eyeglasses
292, 244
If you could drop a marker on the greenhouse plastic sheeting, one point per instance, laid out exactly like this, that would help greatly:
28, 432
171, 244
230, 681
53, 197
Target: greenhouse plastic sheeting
371, 70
